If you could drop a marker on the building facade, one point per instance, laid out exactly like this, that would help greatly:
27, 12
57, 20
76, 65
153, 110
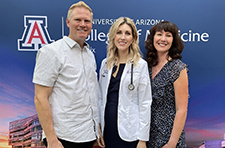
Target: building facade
26, 133
214, 144
223, 142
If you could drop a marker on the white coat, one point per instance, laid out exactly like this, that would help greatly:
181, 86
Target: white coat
134, 106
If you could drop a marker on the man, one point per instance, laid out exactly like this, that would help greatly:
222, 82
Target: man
66, 85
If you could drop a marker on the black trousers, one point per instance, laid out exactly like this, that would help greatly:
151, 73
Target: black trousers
68, 144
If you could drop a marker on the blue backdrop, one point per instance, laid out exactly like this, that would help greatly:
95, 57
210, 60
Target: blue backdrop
201, 25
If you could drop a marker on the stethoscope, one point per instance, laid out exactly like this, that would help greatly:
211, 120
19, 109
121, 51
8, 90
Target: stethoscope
131, 85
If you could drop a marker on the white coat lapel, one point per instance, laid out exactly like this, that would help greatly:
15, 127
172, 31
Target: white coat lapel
109, 76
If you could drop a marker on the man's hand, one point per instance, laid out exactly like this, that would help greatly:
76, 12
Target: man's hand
55, 144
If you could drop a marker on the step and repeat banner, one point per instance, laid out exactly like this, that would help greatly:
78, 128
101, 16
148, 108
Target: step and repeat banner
26, 25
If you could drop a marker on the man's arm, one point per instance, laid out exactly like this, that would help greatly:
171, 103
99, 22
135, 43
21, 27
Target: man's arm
42, 105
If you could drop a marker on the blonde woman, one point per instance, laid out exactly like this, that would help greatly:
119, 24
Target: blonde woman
125, 90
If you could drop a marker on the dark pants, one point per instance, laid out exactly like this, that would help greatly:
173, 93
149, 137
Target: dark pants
68, 144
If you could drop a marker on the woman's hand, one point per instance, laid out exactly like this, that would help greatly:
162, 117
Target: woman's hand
168, 145
100, 140
141, 144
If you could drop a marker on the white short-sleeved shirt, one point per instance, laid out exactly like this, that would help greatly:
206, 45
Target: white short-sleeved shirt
72, 74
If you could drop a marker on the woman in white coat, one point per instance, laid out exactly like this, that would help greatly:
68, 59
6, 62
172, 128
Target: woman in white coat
125, 90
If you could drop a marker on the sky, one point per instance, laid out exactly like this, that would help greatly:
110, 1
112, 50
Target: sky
16, 91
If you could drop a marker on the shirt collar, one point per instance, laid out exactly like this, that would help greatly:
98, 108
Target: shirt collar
71, 43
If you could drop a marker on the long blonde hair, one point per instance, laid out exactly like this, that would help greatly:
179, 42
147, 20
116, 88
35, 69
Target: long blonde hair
112, 51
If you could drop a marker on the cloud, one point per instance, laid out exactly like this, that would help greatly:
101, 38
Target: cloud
213, 122
15, 92
203, 134
12, 112
4, 141
15, 110
204, 129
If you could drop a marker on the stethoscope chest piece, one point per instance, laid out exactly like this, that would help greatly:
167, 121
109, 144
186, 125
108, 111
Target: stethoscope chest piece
131, 87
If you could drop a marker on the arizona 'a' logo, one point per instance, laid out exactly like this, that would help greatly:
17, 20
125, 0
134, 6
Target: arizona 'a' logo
35, 34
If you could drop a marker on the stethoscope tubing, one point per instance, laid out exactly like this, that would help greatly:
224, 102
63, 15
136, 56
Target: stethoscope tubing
131, 85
